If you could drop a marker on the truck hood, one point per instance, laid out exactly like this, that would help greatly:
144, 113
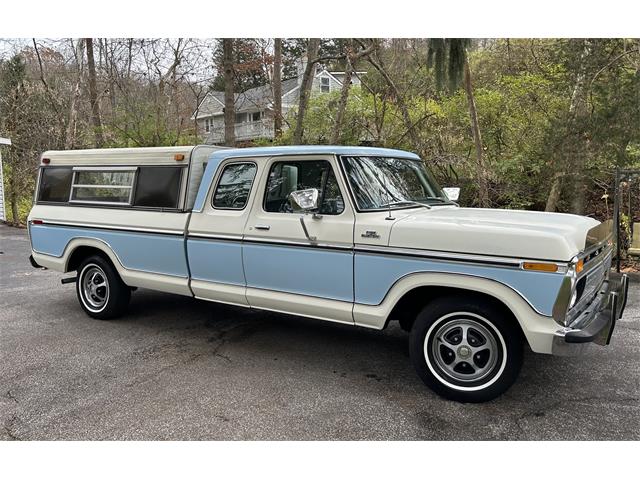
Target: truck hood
507, 233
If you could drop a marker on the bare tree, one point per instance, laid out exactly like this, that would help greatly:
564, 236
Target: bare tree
351, 56
277, 87
229, 100
305, 87
72, 127
482, 174
376, 61
93, 94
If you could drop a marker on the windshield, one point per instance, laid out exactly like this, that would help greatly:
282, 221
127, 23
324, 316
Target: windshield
385, 182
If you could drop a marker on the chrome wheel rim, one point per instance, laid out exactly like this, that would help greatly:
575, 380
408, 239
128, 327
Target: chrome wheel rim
464, 350
95, 288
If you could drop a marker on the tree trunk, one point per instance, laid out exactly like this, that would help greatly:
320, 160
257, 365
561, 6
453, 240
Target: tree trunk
305, 88
277, 88
229, 100
93, 94
481, 170
399, 100
571, 158
344, 98
70, 137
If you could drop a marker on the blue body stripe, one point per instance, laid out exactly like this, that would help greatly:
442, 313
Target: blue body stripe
146, 252
216, 261
306, 271
376, 274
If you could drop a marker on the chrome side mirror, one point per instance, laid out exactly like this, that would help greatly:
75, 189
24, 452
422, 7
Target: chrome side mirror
452, 193
304, 200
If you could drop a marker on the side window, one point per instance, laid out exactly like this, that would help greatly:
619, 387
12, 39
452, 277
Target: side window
103, 186
286, 177
158, 187
234, 186
55, 183
325, 84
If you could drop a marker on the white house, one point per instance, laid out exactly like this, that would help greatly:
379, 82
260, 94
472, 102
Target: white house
254, 107
3, 141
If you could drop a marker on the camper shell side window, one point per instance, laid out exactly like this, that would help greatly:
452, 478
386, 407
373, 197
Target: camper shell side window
145, 187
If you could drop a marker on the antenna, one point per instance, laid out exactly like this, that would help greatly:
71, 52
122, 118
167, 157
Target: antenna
384, 184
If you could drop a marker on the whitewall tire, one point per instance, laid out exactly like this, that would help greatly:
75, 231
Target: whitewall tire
468, 350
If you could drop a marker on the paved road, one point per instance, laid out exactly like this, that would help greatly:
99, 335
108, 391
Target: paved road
178, 368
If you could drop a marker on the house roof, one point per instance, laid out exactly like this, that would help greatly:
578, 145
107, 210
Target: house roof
256, 98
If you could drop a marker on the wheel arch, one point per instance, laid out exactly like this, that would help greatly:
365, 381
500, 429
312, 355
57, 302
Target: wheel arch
80, 248
412, 292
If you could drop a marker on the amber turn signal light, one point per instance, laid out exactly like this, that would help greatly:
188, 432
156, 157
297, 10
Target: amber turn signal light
540, 267
580, 266
178, 157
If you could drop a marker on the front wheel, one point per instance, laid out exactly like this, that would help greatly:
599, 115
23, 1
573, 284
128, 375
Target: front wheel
466, 350
101, 291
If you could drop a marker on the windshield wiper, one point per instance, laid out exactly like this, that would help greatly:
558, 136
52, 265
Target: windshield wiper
442, 201
404, 202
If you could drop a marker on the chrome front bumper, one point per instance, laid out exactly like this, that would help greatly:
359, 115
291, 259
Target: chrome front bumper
597, 322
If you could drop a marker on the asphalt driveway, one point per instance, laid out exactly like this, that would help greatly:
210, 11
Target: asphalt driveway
178, 368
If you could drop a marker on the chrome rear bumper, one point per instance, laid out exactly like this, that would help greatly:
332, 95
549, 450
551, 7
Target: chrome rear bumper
598, 321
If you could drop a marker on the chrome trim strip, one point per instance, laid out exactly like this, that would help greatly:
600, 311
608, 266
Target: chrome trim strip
105, 168
292, 243
115, 227
437, 254
205, 236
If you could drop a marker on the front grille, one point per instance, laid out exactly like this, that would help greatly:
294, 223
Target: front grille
594, 254
591, 283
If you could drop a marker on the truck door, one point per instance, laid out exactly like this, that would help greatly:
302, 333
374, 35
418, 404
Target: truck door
295, 262
214, 241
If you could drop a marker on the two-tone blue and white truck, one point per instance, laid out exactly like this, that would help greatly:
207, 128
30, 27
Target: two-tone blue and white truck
361, 236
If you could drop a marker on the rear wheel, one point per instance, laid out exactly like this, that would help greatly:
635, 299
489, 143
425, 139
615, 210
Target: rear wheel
101, 291
466, 350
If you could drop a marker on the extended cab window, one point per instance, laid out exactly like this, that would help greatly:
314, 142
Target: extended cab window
287, 177
102, 186
55, 183
234, 186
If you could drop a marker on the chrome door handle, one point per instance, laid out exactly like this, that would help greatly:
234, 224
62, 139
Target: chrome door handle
262, 227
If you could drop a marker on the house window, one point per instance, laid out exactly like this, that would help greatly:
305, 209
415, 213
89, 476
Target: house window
111, 185
325, 84
207, 125
241, 117
255, 117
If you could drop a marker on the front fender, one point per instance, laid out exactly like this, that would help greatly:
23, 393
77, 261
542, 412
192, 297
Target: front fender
538, 329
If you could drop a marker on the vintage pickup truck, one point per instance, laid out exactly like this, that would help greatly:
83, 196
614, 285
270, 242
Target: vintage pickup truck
361, 236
